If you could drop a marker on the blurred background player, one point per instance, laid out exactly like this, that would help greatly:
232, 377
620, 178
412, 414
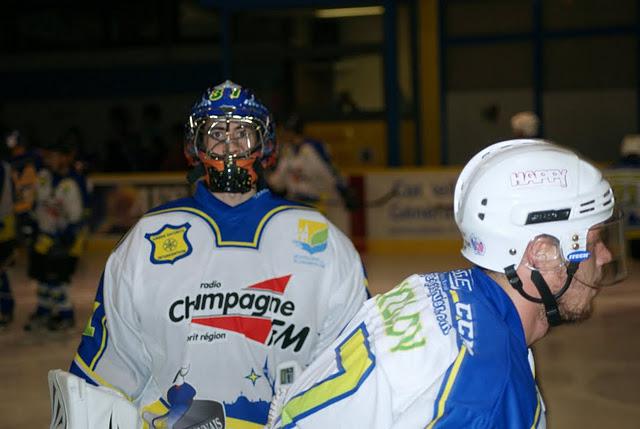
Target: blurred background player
305, 170
7, 243
629, 152
630, 159
525, 125
25, 164
60, 213
211, 302
451, 350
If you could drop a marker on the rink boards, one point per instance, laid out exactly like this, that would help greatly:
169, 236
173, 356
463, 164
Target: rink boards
407, 209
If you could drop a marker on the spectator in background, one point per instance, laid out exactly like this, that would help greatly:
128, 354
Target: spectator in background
25, 164
525, 125
85, 158
630, 159
152, 140
629, 152
174, 159
7, 243
305, 171
60, 213
122, 144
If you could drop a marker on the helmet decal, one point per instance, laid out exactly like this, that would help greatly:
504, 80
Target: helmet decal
514, 191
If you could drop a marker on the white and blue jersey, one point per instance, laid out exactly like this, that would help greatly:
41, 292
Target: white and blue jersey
201, 304
60, 209
440, 350
306, 172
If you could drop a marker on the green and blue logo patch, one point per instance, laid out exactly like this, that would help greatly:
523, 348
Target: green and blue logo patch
312, 236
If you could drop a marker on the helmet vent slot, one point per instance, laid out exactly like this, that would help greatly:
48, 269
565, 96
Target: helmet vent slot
481, 216
587, 203
483, 202
606, 203
590, 209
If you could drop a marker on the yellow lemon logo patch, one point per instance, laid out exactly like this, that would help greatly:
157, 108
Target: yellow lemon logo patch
169, 244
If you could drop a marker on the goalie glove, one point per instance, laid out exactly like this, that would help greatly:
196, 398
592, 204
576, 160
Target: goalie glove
75, 404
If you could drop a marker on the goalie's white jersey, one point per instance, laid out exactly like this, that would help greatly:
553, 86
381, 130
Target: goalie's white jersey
441, 350
201, 303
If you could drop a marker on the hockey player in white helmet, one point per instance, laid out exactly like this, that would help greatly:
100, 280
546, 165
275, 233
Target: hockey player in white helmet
212, 302
451, 349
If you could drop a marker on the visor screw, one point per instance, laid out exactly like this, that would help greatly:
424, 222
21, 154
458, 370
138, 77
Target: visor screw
575, 237
512, 252
575, 246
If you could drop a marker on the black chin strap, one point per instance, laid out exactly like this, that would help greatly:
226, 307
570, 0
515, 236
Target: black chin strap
195, 173
549, 300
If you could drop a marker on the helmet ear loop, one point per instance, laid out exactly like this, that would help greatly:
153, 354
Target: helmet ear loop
547, 298
550, 300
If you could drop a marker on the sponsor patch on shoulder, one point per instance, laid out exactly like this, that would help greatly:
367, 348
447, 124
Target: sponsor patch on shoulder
578, 256
312, 236
169, 244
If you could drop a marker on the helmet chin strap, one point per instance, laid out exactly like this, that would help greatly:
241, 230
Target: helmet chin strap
548, 299
195, 173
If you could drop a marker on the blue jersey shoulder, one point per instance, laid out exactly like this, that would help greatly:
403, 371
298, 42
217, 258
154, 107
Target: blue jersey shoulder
491, 379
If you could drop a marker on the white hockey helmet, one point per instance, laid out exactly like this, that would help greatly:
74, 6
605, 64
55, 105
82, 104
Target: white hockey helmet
515, 191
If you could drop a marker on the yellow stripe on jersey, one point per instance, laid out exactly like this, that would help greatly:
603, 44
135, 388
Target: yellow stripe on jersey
216, 228
536, 417
354, 360
232, 423
447, 389
103, 343
151, 411
95, 377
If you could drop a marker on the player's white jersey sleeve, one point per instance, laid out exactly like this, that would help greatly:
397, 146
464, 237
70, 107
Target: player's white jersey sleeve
348, 291
122, 361
369, 374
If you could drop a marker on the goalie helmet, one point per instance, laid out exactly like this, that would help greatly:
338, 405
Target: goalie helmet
230, 138
515, 191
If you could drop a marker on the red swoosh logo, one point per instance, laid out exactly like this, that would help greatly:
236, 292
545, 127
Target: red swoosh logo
252, 327
278, 284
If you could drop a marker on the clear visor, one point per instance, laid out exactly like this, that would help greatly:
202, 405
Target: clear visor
603, 263
606, 262
227, 138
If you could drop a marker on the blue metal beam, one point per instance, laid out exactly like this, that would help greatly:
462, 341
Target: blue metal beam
415, 83
227, 56
538, 65
444, 132
638, 66
391, 87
